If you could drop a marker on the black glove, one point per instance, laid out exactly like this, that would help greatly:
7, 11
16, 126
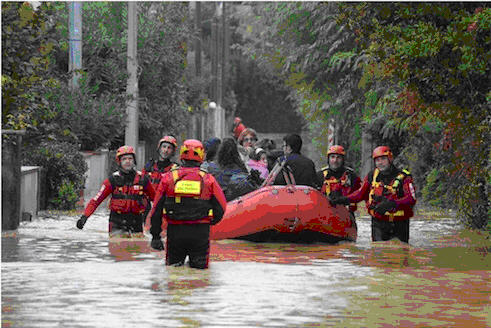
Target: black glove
336, 198
81, 222
157, 244
378, 199
385, 206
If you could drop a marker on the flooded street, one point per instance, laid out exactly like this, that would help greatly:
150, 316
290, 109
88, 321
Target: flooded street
54, 275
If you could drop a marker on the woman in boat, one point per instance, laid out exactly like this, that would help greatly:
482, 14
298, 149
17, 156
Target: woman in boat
247, 141
232, 175
211, 148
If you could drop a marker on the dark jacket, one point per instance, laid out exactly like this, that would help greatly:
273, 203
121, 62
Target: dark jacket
303, 170
234, 181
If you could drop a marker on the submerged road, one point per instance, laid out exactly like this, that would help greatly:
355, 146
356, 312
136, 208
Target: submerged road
54, 275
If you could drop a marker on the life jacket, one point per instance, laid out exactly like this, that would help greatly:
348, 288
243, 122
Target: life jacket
392, 191
187, 199
127, 198
155, 174
343, 185
333, 184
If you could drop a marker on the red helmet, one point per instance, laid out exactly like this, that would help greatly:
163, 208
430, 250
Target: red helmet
170, 140
125, 150
382, 151
336, 149
237, 120
192, 150
245, 133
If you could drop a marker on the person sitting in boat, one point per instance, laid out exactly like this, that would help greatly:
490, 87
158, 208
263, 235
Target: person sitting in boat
232, 175
211, 148
339, 178
128, 189
190, 200
247, 141
259, 162
389, 196
272, 154
301, 167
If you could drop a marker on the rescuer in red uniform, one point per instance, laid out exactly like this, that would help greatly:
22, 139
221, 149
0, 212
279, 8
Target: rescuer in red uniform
389, 196
189, 199
154, 168
128, 189
339, 178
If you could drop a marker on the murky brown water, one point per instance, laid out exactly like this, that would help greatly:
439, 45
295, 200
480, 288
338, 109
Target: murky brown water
54, 275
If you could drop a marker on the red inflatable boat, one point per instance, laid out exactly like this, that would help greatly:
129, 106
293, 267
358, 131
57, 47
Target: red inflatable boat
288, 213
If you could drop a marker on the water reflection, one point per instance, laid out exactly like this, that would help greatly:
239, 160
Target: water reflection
55, 275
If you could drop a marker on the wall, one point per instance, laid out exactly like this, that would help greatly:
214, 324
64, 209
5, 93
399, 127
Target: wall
11, 141
100, 165
97, 172
30, 191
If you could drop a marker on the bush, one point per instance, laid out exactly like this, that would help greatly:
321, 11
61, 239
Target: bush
435, 192
65, 170
91, 120
67, 196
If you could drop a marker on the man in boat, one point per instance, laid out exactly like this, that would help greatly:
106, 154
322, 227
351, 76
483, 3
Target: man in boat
339, 178
389, 195
189, 199
301, 167
155, 168
128, 189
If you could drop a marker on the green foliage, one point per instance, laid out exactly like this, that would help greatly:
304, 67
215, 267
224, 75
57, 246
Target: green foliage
67, 196
433, 58
26, 61
434, 192
315, 58
83, 117
65, 167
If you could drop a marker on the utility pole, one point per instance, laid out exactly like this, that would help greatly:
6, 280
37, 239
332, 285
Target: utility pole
331, 129
131, 131
201, 115
75, 41
218, 69
223, 79
366, 152
212, 109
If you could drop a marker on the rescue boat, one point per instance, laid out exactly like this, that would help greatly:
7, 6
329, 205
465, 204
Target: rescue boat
291, 213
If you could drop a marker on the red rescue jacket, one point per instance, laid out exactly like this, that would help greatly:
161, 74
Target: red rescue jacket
346, 184
186, 195
400, 189
127, 198
154, 172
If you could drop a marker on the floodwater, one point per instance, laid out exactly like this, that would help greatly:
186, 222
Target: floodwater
54, 275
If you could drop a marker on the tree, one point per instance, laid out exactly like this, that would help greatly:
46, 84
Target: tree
316, 59
435, 58
26, 47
